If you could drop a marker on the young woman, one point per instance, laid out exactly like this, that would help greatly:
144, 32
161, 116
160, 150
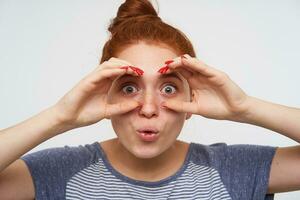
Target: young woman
148, 83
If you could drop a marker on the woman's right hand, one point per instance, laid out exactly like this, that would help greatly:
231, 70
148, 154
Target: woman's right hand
86, 103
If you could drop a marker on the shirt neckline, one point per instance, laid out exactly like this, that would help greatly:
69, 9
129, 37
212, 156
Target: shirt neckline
127, 179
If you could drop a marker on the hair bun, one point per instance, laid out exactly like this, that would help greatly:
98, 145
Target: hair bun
133, 9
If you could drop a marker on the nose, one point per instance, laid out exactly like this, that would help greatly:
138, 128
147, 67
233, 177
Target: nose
149, 105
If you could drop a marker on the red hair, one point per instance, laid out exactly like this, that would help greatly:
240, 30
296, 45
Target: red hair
136, 21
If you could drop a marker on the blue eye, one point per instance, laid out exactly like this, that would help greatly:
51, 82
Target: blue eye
169, 88
129, 89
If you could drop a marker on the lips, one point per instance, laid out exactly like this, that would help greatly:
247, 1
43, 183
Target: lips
148, 134
148, 130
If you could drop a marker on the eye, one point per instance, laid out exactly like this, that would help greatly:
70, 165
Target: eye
129, 89
169, 89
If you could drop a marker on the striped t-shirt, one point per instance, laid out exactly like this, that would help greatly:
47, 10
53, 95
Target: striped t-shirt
209, 172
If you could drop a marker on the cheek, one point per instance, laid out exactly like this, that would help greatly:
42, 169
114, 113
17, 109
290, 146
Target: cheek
120, 124
173, 120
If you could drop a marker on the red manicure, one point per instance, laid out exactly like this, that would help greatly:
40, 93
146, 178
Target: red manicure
125, 67
169, 62
163, 69
166, 68
137, 70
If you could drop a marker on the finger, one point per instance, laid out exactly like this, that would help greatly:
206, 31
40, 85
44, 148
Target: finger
119, 61
193, 64
184, 72
112, 63
180, 106
120, 108
111, 73
167, 69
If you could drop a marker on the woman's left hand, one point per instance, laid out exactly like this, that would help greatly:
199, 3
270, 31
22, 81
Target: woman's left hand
214, 94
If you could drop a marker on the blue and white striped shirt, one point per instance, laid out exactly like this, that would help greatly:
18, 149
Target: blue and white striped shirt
209, 172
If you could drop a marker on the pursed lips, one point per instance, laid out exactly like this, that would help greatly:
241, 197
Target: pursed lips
148, 130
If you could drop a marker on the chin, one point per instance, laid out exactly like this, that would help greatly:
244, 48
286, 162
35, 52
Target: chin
144, 155
145, 150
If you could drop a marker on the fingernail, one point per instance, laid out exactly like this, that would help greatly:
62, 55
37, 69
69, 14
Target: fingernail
125, 67
137, 70
160, 70
163, 69
169, 62
142, 72
133, 69
166, 69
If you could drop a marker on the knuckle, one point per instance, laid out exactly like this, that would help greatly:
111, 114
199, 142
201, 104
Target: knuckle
112, 58
222, 76
194, 61
105, 63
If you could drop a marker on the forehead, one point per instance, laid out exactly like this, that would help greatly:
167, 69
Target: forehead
148, 57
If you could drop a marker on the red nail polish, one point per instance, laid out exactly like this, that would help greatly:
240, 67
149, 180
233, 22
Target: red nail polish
133, 69
137, 70
125, 67
166, 69
141, 71
163, 69
169, 62
160, 70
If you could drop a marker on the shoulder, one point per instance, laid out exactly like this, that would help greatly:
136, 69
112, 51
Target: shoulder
204, 154
222, 155
243, 168
64, 155
222, 149
51, 168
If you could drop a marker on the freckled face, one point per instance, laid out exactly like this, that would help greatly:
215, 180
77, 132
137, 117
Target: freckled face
150, 89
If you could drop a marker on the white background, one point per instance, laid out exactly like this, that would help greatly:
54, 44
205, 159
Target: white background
46, 47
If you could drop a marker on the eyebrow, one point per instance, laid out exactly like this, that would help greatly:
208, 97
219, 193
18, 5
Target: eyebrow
162, 76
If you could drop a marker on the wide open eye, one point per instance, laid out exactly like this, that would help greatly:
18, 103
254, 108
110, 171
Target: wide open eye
128, 89
169, 89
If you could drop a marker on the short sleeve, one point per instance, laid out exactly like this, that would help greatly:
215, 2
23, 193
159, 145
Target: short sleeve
246, 170
51, 168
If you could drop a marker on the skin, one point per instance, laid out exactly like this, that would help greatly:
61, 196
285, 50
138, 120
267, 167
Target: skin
213, 95
128, 153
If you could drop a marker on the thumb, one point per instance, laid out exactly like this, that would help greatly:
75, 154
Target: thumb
180, 106
120, 108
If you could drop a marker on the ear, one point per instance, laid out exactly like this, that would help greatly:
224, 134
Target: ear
188, 116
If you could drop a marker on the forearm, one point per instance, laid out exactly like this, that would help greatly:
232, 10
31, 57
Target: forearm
21, 138
279, 118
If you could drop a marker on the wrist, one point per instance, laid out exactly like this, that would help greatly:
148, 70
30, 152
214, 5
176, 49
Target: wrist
59, 123
246, 111
254, 111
